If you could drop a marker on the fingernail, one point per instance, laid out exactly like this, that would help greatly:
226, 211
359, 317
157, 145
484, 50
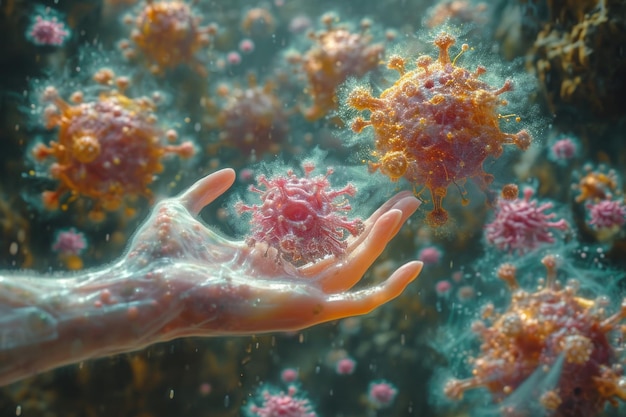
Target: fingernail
397, 223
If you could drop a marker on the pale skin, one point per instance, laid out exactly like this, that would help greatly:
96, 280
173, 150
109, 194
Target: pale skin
179, 278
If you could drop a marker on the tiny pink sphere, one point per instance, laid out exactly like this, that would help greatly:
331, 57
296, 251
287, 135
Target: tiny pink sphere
381, 394
430, 255
205, 389
289, 375
299, 24
233, 58
345, 366
457, 276
69, 242
246, 46
443, 287
563, 150
246, 175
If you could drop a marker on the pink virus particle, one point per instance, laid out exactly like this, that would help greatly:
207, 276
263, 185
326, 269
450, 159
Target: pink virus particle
289, 375
381, 394
597, 183
205, 389
563, 150
301, 217
430, 255
522, 224
233, 58
443, 288
281, 404
47, 29
606, 214
69, 242
246, 46
345, 366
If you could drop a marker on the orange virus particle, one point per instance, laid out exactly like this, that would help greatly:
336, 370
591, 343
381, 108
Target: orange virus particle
106, 149
457, 11
551, 345
252, 119
167, 34
597, 184
436, 125
336, 55
258, 23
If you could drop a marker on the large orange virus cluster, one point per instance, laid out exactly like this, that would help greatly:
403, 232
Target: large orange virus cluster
168, 34
106, 149
552, 346
336, 55
436, 125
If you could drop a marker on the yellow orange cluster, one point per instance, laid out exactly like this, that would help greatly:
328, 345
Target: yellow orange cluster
550, 335
336, 55
106, 149
168, 34
436, 125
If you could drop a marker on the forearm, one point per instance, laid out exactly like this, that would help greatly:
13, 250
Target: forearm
49, 322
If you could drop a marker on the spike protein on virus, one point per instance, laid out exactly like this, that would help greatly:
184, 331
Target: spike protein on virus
436, 125
300, 216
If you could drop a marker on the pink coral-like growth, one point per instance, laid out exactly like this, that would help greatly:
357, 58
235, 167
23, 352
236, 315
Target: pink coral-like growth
300, 216
522, 225
607, 214
282, 405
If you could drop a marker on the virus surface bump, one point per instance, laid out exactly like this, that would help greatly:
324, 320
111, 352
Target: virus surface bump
436, 125
300, 216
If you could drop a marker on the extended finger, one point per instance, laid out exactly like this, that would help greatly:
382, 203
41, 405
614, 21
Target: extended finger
404, 201
362, 302
207, 189
348, 271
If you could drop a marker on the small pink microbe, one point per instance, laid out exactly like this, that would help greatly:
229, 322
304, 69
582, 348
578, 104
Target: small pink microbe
289, 375
430, 255
381, 394
345, 366
47, 31
443, 287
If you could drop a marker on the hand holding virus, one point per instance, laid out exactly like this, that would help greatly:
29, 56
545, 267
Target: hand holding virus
180, 278
299, 217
